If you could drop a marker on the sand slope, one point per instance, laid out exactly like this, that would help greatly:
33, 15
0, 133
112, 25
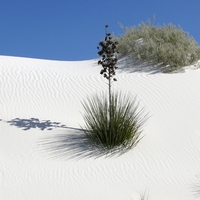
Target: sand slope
43, 154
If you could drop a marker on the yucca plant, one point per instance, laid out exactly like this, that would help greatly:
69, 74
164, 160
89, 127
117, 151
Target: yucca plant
121, 131
112, 121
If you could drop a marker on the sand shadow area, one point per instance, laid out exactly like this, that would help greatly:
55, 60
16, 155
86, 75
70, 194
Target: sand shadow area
65, 142
27, 124
132, 64
70, 144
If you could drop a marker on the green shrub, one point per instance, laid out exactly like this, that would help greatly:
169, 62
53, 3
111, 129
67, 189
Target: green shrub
121, 131
167, 45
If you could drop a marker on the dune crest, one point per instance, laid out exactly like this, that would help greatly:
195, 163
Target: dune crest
43, 154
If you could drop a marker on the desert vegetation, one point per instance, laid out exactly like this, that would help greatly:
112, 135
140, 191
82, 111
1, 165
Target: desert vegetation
112, 120
115, 132
166, 45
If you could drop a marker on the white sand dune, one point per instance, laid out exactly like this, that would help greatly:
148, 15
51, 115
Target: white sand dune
44, 156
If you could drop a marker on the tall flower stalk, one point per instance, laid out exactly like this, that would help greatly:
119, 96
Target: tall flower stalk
108, 61
112, 123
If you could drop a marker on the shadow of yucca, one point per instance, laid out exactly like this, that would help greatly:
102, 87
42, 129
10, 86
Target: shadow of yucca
27, 124
115, 133
71, 144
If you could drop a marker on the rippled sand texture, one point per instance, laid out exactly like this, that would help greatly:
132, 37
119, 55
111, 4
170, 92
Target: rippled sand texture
43, 154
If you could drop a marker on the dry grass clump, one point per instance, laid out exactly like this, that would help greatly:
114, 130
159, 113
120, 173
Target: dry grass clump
164, 45
118, 131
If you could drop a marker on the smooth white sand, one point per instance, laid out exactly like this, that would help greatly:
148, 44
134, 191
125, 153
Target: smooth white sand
57, 164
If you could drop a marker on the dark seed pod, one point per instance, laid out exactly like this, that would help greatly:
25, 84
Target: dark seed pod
108, 53
100, 52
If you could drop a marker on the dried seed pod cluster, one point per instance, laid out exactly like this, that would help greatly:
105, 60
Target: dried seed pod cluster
108, 53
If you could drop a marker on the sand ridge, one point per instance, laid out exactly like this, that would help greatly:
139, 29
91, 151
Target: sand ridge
43, 154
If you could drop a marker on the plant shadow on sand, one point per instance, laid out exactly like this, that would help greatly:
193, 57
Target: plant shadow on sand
132, 65
71, 143
27, 124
